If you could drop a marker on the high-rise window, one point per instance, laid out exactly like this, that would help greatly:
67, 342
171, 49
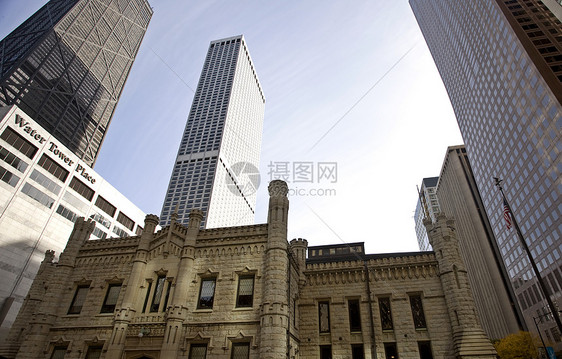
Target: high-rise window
324, 317
207, 293
386, 314
81, 188
78, 300
53, 168
105, 206
417, 311
354, 315
245, 296
110, 301
19, 143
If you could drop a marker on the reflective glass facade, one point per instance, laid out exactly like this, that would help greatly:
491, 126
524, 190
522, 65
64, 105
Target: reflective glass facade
69, 76
220, 148
426, 199
500, 62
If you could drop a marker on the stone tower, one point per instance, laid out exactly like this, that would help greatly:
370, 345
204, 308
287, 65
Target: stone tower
469, 339
274, 315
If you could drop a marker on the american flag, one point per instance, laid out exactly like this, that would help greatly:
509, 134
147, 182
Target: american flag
506, 214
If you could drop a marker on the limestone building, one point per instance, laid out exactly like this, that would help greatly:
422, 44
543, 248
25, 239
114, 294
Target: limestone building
246, 292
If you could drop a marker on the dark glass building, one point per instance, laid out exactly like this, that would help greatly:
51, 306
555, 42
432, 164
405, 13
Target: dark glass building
67, 64
501, 63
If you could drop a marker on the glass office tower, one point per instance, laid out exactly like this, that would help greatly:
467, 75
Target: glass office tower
67, 64
501, 63
216, 169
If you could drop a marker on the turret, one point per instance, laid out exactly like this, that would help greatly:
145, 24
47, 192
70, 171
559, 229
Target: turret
274, 310
469, 339
298, 250
177, 311
80, 234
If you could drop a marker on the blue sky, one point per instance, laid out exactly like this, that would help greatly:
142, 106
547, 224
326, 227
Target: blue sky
345, 82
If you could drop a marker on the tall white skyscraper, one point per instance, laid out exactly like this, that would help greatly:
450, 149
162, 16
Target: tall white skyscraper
428, 196
216, 169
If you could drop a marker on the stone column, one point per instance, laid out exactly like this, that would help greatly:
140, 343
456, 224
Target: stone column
126, 311
46, 314
177, 311
274, 313
469, 339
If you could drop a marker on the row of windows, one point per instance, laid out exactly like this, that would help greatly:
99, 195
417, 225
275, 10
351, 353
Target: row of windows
387, 324
390, 351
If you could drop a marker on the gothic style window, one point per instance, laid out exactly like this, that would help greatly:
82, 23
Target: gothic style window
207, 294
245, 291
78, 300
357, 351
425, 350
390, 351
240, 350
94, 352
324, 317
417, 311
111, 297
198, 351
58, 352
157, 297
325, 352
386, 314
147, 296
354, 315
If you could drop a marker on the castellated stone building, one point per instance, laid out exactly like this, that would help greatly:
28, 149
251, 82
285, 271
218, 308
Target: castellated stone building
246, 292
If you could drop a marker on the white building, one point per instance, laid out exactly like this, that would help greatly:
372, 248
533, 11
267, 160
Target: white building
427, 199
44, 187
216, 169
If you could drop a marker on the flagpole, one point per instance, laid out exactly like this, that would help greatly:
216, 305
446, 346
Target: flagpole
553, 309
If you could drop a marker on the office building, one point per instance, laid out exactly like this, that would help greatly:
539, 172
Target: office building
427, 202
216, 169
246, 292
44, 188
67, 64
458, 196
501, 63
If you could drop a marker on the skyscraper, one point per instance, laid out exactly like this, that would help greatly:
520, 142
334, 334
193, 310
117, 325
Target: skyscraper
501, 63
67, 64
217, 162
426, 199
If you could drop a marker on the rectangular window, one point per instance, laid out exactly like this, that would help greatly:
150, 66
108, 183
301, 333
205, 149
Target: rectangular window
324, 317
245, 292
105, 206
390, 351
157, 297
325, 352
354, 315
147, 296
126, 221
37, 195
66, 213
58, 352
357, 351
81, 188
207, 294
53, 168
99, 233
41, 179
198, 351
386, 314
8, 177
94, 352
78, 300
425, 350
417, 312
12, 160
120, 232
138, 230
240, 350
19, 143
111, 297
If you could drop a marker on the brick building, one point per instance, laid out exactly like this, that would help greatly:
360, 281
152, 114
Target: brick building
246, 292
